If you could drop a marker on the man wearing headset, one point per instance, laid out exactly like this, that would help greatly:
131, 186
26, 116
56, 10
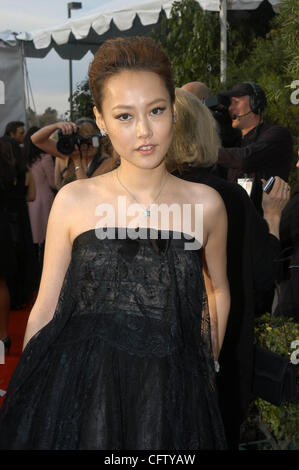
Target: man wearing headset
263, 150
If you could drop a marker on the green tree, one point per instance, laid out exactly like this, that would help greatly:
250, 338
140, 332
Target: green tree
49, 116
278, 424
82, 101
191, 39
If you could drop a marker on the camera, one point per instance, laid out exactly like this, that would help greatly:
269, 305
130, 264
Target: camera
66, 142
218, 105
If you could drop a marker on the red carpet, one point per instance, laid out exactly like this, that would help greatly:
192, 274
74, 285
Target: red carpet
16, 330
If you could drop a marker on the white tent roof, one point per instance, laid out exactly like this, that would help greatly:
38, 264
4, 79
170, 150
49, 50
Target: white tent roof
90, 30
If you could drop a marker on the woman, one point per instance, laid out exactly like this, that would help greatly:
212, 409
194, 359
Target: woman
126, 361
252, 248
42, 169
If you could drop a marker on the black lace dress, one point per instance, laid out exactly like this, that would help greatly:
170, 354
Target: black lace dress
126, 361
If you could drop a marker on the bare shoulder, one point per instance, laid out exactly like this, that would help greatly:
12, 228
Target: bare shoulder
76, 203
79, 191
69, 194
70, 200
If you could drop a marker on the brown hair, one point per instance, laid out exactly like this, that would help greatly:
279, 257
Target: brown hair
196, 139
87, 127
135, 53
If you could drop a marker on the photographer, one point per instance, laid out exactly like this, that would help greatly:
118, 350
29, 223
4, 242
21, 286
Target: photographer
79, 150
263, 150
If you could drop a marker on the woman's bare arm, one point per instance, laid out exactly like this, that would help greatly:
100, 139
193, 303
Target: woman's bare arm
215, 223
42, 139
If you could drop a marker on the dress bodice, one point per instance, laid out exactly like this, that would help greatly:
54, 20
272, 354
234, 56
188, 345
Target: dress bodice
137, 289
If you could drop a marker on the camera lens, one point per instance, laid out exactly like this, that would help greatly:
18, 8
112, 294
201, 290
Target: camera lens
65, 144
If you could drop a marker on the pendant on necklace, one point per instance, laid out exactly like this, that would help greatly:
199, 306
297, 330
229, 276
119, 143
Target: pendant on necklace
147, 212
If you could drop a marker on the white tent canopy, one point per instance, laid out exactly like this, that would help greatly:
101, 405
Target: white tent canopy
88, 31
12, 92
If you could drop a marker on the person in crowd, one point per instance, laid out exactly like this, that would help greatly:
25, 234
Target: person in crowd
16, 185
117, 350
42, 168
288, 293
7, 178
83, 162
252, 248
199, 89
263, 151
15, 130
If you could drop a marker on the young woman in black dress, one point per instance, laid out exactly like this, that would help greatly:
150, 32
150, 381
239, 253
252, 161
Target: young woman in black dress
133, 303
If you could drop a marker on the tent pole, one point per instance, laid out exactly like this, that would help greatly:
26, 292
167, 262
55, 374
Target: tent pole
72, 6
223, 39
71, 88
24, 67
69, 14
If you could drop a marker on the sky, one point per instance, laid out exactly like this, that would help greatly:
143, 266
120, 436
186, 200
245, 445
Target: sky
49, 77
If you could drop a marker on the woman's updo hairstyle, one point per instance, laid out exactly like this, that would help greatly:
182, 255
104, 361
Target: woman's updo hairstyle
135, 53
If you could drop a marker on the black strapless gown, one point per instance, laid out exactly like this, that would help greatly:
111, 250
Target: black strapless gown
126, 362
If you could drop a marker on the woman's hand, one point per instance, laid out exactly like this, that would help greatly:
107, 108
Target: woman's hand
66, 127
274, 203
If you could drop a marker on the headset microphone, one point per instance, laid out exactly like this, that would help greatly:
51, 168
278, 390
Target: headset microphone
236, 116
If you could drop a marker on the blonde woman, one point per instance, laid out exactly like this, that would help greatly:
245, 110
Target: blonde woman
252, 247
196, 141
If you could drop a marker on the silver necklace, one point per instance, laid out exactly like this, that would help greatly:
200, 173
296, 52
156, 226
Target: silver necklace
146, 210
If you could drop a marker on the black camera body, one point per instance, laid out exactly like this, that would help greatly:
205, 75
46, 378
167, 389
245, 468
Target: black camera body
218, 105
66, 142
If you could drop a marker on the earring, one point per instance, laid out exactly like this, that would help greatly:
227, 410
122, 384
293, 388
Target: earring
174, 119
103, 133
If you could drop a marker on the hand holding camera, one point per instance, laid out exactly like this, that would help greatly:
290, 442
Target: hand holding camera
66, 127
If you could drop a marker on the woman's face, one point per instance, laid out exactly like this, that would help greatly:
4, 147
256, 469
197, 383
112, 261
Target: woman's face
88, 151
138, 117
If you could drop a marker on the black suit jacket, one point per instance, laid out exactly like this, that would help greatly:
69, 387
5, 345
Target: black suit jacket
265, 151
